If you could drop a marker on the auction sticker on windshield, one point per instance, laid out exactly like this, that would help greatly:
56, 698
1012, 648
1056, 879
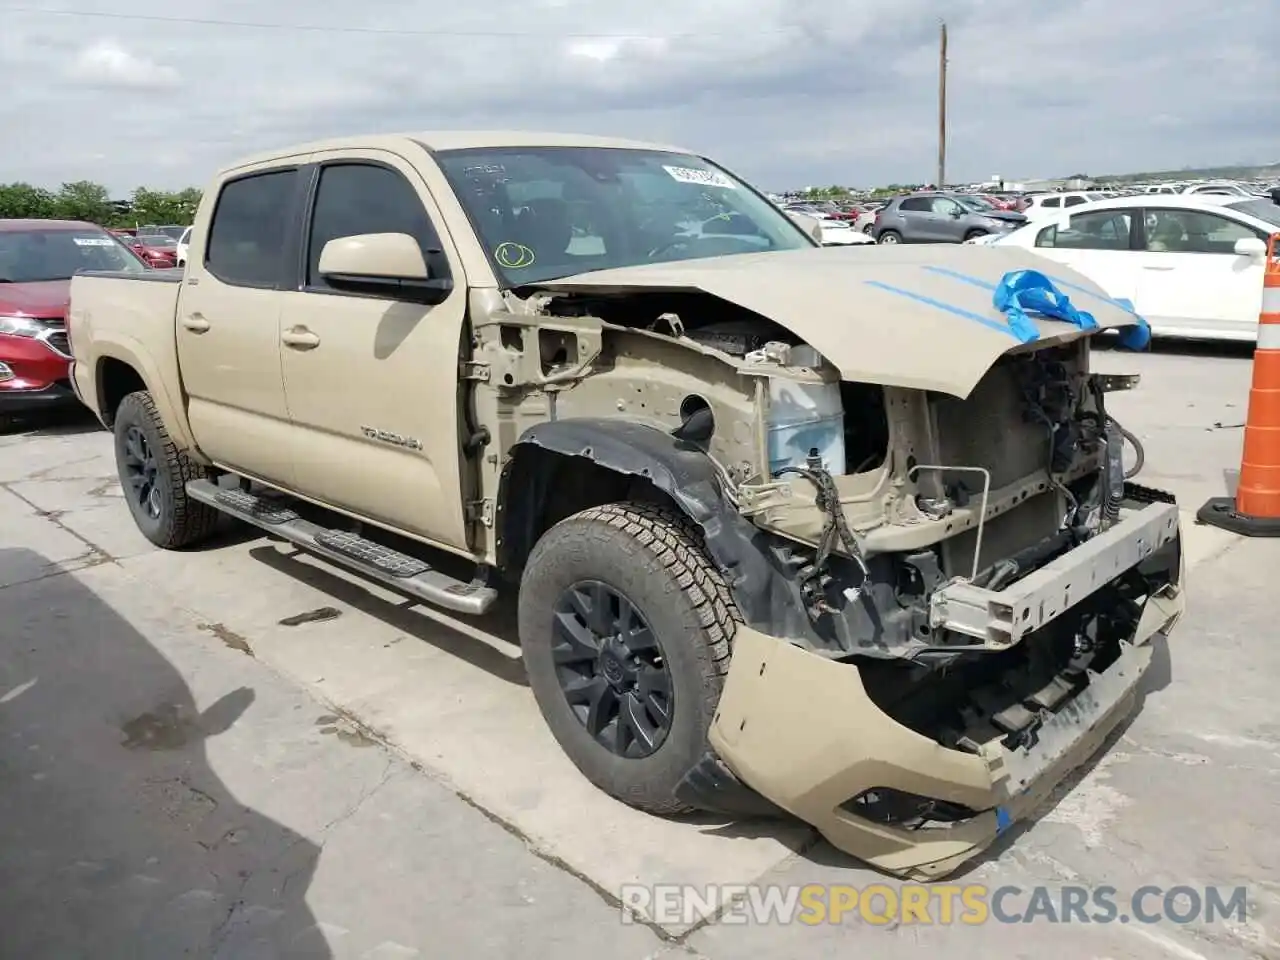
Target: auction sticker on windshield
94, 241
703, 178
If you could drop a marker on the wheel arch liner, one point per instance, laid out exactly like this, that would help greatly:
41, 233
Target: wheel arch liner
633, 449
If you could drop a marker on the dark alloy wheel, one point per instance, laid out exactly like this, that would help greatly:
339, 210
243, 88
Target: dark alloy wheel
625, 633
153, 475
612, 670
139, 466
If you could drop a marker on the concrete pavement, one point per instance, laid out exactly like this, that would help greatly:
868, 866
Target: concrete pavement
241, 752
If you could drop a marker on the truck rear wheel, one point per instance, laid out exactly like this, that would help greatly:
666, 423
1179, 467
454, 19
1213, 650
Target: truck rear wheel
626, 625
154, 475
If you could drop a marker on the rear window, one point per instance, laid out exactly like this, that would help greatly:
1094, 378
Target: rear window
250, 228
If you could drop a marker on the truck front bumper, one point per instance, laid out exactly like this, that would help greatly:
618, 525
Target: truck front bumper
802, 731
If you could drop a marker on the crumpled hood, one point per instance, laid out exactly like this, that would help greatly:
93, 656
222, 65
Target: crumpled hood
898, 315
46, 300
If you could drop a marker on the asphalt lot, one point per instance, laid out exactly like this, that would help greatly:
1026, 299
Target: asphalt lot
190, 770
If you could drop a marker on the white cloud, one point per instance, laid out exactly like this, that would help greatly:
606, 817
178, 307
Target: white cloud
106, 63
785, 92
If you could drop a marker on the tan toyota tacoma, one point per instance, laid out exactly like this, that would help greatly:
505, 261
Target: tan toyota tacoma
792, 528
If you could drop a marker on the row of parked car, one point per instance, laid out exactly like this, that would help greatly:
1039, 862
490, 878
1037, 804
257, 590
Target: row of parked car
1191, 263
162, 247
37, 261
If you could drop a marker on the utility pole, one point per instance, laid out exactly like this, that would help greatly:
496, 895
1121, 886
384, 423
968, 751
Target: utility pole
942, 106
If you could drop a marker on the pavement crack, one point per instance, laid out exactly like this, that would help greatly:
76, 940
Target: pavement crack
94, 555
365, 795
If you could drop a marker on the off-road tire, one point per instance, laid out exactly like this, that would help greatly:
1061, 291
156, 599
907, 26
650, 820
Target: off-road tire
889, 236
183, 522
975, 233
655, 556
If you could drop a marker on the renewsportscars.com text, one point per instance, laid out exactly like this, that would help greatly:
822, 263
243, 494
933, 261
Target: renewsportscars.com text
928, 904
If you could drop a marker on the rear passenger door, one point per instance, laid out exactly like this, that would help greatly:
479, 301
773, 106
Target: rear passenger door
372, 382
228, 323
917, 219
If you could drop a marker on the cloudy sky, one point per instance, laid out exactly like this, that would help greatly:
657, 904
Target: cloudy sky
786, 92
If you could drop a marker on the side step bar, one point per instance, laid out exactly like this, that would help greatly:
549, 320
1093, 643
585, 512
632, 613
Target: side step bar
398, 570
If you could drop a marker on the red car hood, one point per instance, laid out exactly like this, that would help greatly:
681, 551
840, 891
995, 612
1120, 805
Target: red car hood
46, 301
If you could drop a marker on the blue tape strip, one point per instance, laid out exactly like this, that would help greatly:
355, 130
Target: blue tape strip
962, 277
949, 308
1115, 302
1003, 820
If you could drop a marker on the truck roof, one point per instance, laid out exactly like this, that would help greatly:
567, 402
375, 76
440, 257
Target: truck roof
451, 140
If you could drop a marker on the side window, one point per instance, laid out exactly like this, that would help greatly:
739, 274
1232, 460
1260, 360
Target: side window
1053, 202
1073, 201
915, 203
1098, 230
250, 228
356, 198
946, 207
1189, 231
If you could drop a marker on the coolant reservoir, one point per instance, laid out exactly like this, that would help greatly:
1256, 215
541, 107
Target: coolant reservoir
802, 417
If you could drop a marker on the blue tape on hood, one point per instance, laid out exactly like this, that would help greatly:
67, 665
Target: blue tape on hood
1021, 292
1138, 336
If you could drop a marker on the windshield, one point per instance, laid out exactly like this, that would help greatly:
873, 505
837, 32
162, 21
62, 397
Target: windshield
1264, 210
976, 203
33, 256
157, 241
549, 212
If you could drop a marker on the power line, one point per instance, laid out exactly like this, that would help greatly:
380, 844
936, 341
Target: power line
379, 31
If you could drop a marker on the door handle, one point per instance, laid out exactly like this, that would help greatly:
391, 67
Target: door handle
195, 323
300, 338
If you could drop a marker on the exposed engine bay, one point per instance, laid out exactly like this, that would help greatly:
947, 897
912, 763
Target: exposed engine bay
919, 490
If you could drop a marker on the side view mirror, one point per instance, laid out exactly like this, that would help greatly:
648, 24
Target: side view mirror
957, 214
810, 225
388, 263
1250, 247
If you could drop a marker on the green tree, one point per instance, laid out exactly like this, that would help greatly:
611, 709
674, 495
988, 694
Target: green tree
84, 200
20, 200
160, 207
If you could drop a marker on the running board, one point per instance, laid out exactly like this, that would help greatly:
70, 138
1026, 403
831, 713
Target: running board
398, 570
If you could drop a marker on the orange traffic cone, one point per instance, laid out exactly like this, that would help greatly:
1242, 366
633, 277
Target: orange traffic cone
1255, 511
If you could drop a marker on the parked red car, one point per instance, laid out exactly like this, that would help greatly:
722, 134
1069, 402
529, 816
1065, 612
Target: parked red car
37, 261
158, 250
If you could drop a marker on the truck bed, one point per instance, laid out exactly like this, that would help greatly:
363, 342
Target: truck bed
131, 318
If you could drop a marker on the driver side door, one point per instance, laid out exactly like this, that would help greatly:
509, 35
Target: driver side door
372, 382
948, 219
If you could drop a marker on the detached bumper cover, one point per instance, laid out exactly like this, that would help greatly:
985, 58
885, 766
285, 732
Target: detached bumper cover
802, 731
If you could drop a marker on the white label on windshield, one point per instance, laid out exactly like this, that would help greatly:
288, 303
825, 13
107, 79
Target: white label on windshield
703, 178
93, 242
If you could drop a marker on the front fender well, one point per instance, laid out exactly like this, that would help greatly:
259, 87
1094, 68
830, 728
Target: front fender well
632, 452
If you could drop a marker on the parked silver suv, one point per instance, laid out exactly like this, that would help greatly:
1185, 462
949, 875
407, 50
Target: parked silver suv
941, 218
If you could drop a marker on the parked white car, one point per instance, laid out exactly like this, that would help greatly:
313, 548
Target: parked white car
1191, 265
1224, 188
1043, 205
181, 251
842, 233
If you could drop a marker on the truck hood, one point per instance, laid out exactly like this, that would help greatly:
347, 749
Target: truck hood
898, 315
46, 300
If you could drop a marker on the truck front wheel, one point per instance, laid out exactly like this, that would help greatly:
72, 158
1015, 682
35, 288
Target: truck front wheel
154, 475
625, 626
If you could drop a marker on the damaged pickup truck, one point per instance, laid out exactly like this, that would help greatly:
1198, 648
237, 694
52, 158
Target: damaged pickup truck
791, 528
